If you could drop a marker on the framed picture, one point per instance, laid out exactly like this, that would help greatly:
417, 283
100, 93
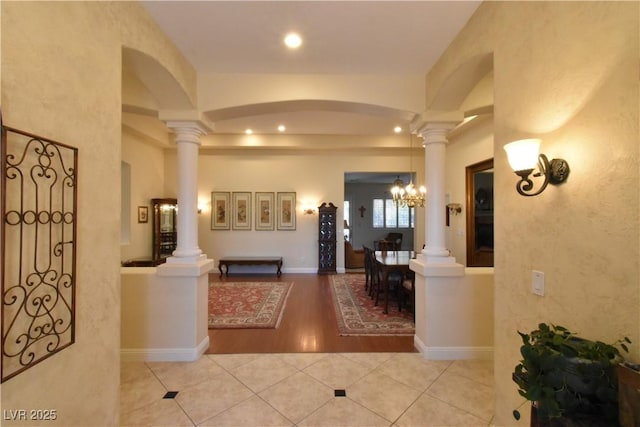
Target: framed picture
241, 211
143, 214
264, 211
287, 211
220, 210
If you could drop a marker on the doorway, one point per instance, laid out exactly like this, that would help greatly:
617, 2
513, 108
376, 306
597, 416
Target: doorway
479, 191
372, 212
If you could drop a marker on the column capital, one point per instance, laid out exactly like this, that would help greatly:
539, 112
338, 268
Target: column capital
433, 126
187, 125
187, 131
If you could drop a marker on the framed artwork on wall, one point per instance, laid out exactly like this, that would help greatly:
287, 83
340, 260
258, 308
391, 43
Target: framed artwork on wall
264, 211
241, 210
287, 211
143, 214
220, 210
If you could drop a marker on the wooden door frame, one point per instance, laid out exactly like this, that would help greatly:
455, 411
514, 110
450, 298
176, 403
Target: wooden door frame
470, 172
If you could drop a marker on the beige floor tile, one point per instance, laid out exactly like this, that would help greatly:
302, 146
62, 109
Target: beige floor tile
209, 398
463, 393
370, 360
302, 360
413, 369
253, 412
431, 412
337, 371
477, 370
297, 396
230, 361
163, 412
381, 388
131, 371
382, 395
177, 376
343, 412
263, 372
141, 392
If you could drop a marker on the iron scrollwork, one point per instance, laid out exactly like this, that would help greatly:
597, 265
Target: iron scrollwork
39, 202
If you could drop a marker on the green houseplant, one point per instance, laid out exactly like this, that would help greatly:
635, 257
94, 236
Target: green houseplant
570, 380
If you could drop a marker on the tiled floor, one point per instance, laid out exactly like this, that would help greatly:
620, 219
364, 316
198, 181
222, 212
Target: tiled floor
243, 390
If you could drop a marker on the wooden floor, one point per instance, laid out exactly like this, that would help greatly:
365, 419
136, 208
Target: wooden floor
308, 324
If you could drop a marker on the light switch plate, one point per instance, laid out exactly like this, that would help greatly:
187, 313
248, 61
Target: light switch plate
537, 282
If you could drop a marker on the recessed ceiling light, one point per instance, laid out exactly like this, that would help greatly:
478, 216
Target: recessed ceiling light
248, 131
397, 129
282, 128
292, 40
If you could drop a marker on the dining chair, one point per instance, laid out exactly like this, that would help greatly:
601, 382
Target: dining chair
367, 268
408, 293
394, 282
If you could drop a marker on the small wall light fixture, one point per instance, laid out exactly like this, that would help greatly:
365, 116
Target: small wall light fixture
308, 208
454, 208
524, 155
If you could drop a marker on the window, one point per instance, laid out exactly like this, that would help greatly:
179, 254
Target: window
387, 215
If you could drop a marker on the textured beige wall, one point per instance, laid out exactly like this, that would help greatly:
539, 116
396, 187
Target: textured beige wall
220, 90
567, 73
147, 182
61, 78
315, 176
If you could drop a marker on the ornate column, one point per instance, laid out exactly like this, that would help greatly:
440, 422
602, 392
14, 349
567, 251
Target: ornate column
180, 334
434, 131
435, 141
187, 137
437, 273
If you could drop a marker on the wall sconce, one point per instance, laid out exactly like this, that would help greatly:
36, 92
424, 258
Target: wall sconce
454, 208
308, 207
202, 206
523, 157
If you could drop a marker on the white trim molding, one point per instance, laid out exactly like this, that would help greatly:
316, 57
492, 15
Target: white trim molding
452, 353
164, 354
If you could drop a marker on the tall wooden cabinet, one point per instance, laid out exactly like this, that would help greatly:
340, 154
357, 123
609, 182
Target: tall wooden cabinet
327, 221
165, 235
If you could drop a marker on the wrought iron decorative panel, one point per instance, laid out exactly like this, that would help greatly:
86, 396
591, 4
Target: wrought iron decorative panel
39, 201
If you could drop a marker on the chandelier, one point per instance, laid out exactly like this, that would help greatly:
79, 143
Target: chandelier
408, 195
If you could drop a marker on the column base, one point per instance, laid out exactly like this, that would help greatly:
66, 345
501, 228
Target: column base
194, 254
186, 266
436, 266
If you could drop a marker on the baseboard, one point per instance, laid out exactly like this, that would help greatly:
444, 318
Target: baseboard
452, 353
164, 354
301, 270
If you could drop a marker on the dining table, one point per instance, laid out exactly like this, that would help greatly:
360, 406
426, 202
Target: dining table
392, 261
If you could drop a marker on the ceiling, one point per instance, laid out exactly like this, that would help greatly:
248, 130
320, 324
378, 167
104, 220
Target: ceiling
339, 37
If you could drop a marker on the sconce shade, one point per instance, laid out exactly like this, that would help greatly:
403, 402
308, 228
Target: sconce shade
523, 154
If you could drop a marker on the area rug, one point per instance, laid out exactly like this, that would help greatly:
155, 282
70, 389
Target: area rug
357, 314
247, 305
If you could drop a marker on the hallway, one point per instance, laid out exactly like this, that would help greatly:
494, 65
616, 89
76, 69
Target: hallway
303, 373
301, 389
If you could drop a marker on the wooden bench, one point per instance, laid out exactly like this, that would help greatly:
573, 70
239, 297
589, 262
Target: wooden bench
249, 260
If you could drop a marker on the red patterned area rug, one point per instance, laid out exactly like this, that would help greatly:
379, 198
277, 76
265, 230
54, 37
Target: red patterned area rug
357, 314
247, 305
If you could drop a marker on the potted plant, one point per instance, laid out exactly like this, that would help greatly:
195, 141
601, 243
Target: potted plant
569, 380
